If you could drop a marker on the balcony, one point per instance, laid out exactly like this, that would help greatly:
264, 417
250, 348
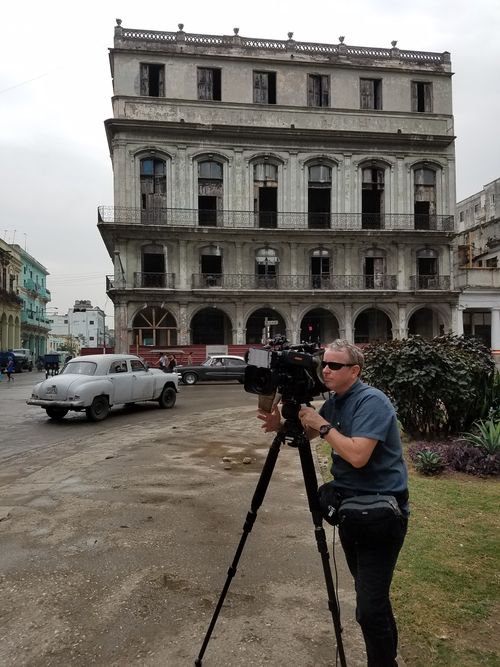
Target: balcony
238, 281
182, 217
41, 291
430, 283
484, 278
31, 318
161, 280
10, 297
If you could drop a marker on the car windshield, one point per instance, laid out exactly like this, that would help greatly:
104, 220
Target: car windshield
79, 368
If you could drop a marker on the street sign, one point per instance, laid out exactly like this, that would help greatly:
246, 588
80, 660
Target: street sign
270, 323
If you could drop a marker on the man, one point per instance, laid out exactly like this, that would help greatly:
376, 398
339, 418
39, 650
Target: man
360, 425
162, 362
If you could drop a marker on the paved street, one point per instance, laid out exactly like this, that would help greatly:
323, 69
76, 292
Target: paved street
117, 536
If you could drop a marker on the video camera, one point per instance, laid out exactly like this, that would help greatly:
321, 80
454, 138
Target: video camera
294, 371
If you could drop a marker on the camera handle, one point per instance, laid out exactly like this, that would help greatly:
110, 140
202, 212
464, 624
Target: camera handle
294, 435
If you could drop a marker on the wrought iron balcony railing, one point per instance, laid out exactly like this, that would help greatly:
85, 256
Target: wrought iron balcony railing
164, 280
289, 282
182, 217
430, 282
238, 281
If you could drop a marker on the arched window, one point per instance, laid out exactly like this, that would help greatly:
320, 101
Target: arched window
319, 191
265, 180
210, 192
320, 269
266, 267
372, 198
424, 197
153, 190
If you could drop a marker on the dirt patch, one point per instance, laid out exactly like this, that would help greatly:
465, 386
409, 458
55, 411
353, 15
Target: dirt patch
115, 553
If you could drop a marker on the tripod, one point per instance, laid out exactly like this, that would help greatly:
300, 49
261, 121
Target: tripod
292, 433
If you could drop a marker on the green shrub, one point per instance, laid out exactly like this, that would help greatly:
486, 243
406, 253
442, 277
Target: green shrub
439, 386
428, 462
486, 436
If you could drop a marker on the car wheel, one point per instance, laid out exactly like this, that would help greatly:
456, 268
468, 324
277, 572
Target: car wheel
167, 397
190, 378
56, 413
99, 409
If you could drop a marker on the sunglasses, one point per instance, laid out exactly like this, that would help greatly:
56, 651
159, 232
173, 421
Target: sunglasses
334, 365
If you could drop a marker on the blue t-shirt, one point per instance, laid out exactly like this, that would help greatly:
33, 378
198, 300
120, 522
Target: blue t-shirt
364, 411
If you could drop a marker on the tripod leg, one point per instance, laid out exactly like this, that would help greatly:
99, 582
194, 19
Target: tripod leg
311, 484
258, 497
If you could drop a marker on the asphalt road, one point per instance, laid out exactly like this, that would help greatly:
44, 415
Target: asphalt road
25, 427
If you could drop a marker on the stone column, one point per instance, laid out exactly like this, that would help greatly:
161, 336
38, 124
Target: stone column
495, 329
121, 328
240, 330
183, 325
457, 320
348, 331
182, 281
403, 329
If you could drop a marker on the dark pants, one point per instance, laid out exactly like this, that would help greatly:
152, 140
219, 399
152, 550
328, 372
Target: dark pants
371, 557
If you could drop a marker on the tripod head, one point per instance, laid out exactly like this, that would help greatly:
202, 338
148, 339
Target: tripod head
292, 431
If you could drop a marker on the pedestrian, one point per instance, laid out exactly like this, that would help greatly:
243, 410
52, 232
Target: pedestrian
359, 423
172, 362
11, 369
162, 362
189, 360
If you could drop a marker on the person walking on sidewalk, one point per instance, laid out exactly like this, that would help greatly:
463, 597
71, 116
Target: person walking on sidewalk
11, 369
359, 423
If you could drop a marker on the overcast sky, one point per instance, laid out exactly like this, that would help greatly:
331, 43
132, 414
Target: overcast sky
55, 90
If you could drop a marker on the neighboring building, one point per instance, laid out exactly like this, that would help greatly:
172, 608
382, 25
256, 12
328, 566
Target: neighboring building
84, 321
35, 296
10, 302
58, 342
478, 265
279, 187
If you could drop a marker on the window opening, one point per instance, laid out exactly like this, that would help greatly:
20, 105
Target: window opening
264, 87
320, 269
211, 266
372, 199
152, 80
209, 84
266, 268
373, 273
266, 194
421, 96
318, 90
153, 190
319, 197
425, 199
370, 93
210, 192
153, 266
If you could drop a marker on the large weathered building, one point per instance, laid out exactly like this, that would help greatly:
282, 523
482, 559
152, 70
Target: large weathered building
478, 265
10, 301
292, 187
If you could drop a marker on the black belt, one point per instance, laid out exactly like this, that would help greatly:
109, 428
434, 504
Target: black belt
401, 496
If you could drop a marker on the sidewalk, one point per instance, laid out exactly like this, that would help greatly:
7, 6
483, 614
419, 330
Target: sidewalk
115, 553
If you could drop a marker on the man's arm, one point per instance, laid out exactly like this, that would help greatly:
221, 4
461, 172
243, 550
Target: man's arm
356, 450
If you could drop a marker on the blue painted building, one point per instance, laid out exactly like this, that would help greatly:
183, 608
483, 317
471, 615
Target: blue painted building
33, 291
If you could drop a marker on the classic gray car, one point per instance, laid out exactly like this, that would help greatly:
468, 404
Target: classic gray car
216, 367
96, 382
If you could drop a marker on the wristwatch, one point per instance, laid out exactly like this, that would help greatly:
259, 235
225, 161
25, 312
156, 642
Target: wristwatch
325, 430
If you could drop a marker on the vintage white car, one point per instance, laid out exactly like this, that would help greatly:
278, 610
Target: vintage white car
96, 382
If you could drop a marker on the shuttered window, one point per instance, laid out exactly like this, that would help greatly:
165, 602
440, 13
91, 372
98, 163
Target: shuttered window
318, 94
370, 93
152, 80
264, 87
209, 84
421, 96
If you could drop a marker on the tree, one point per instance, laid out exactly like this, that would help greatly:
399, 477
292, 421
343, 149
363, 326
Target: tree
439, 386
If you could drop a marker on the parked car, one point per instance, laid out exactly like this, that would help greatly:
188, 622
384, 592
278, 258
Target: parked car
25, 357
96, 382
216, 367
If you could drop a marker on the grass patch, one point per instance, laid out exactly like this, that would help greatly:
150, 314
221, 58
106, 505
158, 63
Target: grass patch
446, 586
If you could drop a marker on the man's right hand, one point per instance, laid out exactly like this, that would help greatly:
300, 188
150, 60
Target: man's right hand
272, 420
